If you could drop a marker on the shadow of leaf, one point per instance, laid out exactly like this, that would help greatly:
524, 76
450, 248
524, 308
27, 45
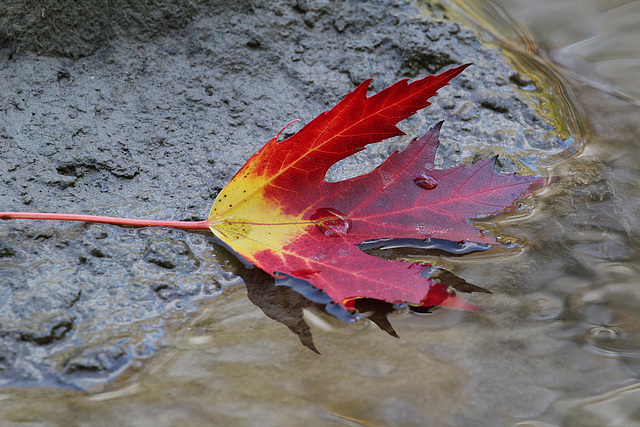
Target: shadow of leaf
285, 299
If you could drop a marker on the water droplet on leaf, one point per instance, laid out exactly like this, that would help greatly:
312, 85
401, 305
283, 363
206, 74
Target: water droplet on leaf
425, 181
331, 222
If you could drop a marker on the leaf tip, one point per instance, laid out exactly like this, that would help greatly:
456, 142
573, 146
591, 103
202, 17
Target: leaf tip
453, 72
362, 88
431, 136
436, 128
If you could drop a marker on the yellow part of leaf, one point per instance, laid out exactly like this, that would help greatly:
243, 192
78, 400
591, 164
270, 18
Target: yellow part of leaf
249, 222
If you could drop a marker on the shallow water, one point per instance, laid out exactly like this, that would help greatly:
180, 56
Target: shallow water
583, 254
558, 342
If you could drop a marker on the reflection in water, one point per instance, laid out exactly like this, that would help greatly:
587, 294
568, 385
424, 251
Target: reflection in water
279, 303
284, 299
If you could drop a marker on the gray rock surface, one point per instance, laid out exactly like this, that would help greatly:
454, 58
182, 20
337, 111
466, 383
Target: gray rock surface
147, 109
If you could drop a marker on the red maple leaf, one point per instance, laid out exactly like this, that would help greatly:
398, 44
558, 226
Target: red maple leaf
280, 213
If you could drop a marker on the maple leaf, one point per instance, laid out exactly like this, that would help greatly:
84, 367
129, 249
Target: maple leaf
280, 214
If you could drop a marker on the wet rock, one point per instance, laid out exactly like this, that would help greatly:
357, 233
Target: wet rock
497, 104
95, 361
79, 28
43, 329
6, 250
169, 290
6, 360
169, 254
48, 332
